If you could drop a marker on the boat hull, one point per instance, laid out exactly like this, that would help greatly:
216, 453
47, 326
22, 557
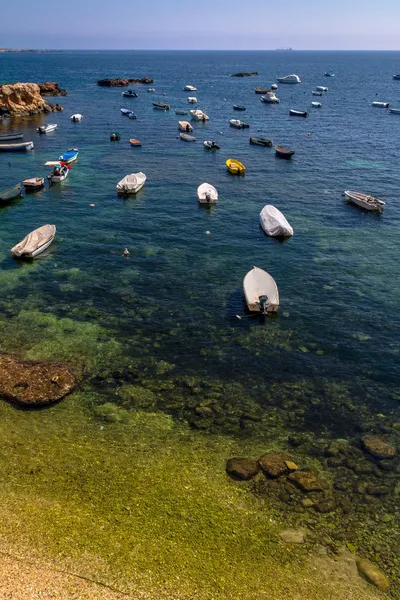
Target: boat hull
207, 194
283, 152
34, 184
11, 136
10, 194
35, 242
364, 201
22, 147
260, 141
259, 284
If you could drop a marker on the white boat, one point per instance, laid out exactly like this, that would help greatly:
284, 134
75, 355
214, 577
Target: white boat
47, 127
131, 184
59, 173
274, 223
395, 111
211, 145
16, 147
35, 242
260, 291
207, 194
321, 88
199, 115
185, 126
270, 98
316, 104
298, 113
76, 118
11, 136
316, 93
151, 89
274, 86
381, 104
190, 88
365, 201
289, 79
238, 124
187, 138
192, 99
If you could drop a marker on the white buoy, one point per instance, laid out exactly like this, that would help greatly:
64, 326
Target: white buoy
91, 205
208, 232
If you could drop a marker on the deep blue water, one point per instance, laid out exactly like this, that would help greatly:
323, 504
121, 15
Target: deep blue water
337, 277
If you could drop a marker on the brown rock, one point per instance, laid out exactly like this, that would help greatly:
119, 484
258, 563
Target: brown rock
378, 447
373, 574
23, 99
326, 505
119, 82
242, 468
32, 383
308, 481
293, 536
51, 88
274, 465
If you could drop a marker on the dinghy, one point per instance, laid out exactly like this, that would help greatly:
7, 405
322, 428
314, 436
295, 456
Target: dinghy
316, 104
178, 111
190, 88
298, 113
16, 147
396, 77
235, 166
185, 126
70, 156
187, 138
270, 98
192, 100
199, 115
207, 194
35, 242
151, 89
260, 141
131, 184
238, 124
76, 118
381, 104
33, 184
161, 106
47, 128
11, 136
134, 142
274, 222
125, 111
321, 88
10, 194
315, 93
238, 107
329, 74
260, 291
258, 90
211, 145
289, 79
274, 86
365, 201
59, 173
283, 152
395, 111
132, 115
129, 94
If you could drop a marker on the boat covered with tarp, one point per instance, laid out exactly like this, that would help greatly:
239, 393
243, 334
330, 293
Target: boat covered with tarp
35, 242
274, 223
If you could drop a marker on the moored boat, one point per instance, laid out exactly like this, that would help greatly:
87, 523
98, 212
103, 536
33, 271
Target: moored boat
316, 93
179, 111
187, 138
131, 184
11, 136
364, 200
380, 104
270, 98
207, 194
298, 113
70, 156
235, 166
47, 128
258, 90
10, 194
35, 242
185, 126
115, 137
76, 118
192, 99
321, 88
199, 115
316, 104
396, 77
238, 107
260, 291
329, 74
238, 124
283, 152
129, 94
33, 184
274, 223
274, 86
190, 88
211, 145
161, 106
16, 147
151, 89
289, 79
132, 115
260, 141
134, 142
59, 173
395, 111
125, 111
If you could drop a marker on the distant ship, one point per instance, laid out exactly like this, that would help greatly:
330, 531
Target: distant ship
286, 49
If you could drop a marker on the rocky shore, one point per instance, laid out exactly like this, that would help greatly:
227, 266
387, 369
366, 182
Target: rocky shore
119, 82
51, 88
24, 99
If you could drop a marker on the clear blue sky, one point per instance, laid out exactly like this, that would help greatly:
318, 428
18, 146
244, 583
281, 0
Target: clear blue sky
201, 24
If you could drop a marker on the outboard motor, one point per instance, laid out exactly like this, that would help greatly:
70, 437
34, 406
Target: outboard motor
208, 197
262, 300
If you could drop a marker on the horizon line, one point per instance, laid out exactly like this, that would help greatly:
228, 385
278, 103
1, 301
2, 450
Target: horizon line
281, 50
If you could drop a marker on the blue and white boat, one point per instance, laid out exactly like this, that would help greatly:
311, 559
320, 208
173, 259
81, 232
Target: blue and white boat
69, 156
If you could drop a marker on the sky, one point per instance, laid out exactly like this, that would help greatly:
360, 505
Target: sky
202, 24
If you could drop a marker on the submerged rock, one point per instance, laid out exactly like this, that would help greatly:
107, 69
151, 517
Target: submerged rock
242, 468
293, 536
32, 383
373, 574
137, 396
378, 447
308, 481
275, 465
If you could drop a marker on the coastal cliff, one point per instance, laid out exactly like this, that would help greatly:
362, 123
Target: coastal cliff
20, 99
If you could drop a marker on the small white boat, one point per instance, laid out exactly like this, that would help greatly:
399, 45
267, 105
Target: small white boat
16, 147
151, 89
298, 113
274, 86
192, 100
35, 242
211, 145
395, 111
207, 194
185, 126
260, 291
238, 124
315, 93
47, 128
59, 173
381, 104
365, 201
274, 223
11, 136
199, 115
187, 138
270, 98
76, 118
131, 184
190, 88
33, 183
289, 79
321, 88
316, 104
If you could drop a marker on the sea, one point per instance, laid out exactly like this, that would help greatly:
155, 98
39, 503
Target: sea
167, 314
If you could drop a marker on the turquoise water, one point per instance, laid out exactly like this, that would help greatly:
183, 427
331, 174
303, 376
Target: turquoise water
176, 297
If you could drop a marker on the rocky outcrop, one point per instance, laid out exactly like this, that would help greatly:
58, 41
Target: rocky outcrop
51, 88
31, 383
242, 468
119, 82
244, 74
378, 447
21, 99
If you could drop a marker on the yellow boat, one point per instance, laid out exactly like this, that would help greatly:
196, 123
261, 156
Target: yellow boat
235, 166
